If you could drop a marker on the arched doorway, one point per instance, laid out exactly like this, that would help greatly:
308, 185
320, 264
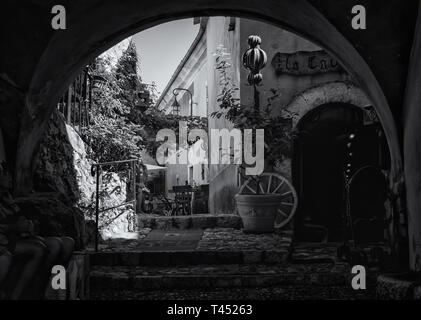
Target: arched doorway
323, 152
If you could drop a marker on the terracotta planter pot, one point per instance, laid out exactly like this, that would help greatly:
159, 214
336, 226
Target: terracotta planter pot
258, 212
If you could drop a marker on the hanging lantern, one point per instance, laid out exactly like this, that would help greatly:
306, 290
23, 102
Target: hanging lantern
254, 59
175, 107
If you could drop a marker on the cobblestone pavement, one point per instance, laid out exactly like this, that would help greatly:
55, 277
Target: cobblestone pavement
231, 239
229, 269
228, 239
274, 293
212, 239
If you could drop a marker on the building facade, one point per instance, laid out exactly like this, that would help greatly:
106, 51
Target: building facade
301, 78
190, 84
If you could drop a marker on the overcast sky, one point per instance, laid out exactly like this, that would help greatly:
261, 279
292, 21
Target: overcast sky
161, 49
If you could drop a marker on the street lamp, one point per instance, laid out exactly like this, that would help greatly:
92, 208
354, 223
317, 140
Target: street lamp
177, 105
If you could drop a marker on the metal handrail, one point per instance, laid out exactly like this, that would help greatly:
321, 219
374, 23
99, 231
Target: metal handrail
96, 170
115, 162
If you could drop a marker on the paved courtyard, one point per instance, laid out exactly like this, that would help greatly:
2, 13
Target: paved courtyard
219, 239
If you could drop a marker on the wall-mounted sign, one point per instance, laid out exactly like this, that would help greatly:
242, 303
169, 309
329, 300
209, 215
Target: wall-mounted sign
305, 63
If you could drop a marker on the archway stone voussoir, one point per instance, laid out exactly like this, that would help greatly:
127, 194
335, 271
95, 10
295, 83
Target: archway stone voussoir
340, 92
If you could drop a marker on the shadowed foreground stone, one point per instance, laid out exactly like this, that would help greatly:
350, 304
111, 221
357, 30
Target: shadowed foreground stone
217, 276
284, 292
55, 216
417, 293
399, 287
315, 281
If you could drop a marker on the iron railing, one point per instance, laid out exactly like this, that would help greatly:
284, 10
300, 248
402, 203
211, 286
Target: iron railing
76, 102
97, 170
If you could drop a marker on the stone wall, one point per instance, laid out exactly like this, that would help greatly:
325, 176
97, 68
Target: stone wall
55, 170
54, 215
54, 204
85, 181
64, 199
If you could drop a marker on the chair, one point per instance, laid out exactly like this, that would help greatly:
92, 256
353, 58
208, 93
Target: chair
183, 200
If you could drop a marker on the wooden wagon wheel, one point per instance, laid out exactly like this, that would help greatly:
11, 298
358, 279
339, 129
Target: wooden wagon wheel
275, 183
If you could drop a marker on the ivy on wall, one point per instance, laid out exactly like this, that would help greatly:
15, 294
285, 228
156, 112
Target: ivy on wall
120, 129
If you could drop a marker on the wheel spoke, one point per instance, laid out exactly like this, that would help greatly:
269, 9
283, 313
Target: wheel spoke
282, 213
287, 204
286, 193
248, 187
279, 186
269, 184
261, 188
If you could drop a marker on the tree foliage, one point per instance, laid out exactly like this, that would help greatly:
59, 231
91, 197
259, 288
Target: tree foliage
122, 126
111, 135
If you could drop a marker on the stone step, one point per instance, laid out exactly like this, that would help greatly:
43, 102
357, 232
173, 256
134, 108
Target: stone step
217, 276
188, 258
281, 292
196, 221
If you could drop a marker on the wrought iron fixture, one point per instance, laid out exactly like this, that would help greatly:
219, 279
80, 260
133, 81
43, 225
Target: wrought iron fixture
255, 59
176, 106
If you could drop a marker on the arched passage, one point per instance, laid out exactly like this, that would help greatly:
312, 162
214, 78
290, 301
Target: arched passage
109, 22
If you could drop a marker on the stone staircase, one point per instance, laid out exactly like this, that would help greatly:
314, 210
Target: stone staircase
271, 273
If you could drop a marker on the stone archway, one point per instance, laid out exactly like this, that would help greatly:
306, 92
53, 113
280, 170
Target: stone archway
338, 91
97, 25
321, 152
343, 93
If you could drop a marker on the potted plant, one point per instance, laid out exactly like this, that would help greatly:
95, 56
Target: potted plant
267, 200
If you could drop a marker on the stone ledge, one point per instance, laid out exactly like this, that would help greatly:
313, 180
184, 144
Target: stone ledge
399, 287
196, 221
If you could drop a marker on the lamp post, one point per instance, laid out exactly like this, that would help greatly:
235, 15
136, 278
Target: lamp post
176, 104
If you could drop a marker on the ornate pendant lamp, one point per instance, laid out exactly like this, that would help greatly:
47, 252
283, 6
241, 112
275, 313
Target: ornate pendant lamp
254, 60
